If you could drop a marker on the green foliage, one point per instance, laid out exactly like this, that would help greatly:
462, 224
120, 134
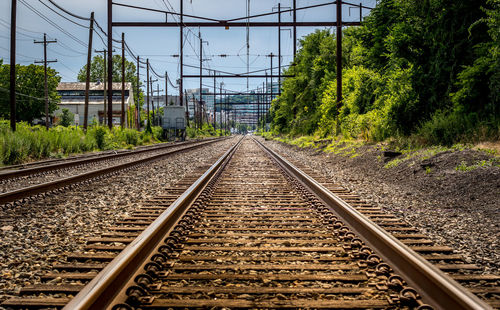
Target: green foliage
66, 118
35, 142
30, 102
428, 70
207, 130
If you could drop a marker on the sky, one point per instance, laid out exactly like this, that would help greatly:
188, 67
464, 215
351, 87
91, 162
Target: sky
159, 44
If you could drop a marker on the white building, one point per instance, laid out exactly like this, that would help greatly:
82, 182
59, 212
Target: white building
73, 98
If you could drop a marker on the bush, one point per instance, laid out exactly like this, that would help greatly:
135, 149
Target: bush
66, 118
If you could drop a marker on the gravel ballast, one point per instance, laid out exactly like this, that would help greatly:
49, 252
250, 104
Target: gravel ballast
453, 207
36, 235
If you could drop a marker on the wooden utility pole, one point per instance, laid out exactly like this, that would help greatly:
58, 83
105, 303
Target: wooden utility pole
166, 88
157, 91
187, 109
220, 106
147, 90
122, 119
195, 115
215, 90
87, 79
45, 61
12, 86
151, 81
138, 91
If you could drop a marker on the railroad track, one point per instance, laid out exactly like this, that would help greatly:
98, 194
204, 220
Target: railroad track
14, 172
255, 232
26, 193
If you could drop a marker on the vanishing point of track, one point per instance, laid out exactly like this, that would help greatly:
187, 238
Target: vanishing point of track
253, 231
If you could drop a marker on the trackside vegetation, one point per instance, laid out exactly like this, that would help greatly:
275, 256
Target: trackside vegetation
426, 72
30, 143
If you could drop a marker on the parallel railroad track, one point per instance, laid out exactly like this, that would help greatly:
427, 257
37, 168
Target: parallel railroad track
253, 234
44, 167
147, 155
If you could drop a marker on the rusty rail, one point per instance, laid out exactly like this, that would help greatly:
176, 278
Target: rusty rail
437, 289
107, 286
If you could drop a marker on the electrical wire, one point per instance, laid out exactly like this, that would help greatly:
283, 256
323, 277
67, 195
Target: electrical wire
83, 26
52, 23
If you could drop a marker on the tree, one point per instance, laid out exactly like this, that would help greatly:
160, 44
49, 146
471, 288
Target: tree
30, 91
66, 118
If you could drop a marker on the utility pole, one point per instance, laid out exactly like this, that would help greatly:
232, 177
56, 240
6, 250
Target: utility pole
227, 119
220, 106
110, 64
147, 90
271, 78
339, 55
87, 79
157, 91
294, 29
258, 108
181, 31
152, 99
138, 91
12, 86
122, 119
166, 88
215, 110
104, 51
45, 61
195, 115
201, 68
187, 109
279, 49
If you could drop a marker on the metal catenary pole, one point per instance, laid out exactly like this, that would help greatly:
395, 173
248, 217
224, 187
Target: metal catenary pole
45, 42
279, 48
122, 118
12, 85
110, 64
137, 108
147, 91
215, 110
181, 54
87, 78
104, 51
339, 54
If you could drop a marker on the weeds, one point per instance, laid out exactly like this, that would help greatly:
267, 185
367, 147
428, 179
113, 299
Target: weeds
29, 143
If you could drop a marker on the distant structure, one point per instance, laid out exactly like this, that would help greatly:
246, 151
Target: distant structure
172, 100
73, 98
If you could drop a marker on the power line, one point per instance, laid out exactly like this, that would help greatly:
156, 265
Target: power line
53, 23
83, 26
67, 12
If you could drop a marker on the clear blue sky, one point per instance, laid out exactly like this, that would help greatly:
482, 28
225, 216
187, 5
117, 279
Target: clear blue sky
158, 44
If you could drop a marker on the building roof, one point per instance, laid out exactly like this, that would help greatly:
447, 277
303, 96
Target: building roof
93, 86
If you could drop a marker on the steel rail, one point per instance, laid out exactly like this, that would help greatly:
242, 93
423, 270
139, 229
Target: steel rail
436, 288
76, 162
107, 286
34, 190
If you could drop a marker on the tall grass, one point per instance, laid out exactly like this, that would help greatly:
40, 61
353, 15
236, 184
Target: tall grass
30, 143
